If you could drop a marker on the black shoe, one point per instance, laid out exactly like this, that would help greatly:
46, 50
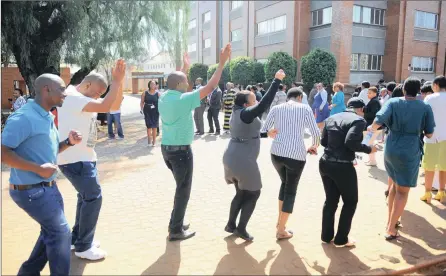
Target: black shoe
185, 227
229, 229
243, 235
196, 132
217, 132
211, 131
183, 235
199, 133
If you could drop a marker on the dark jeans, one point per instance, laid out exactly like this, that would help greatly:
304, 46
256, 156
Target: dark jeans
339, 180
213, 118
245, 202
114, 118
180, 162
45, 206
84, 177
289, 171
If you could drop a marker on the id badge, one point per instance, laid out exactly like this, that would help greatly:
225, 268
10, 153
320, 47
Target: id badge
152, 106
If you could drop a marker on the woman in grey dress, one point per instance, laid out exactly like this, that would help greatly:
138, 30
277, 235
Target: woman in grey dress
240, 157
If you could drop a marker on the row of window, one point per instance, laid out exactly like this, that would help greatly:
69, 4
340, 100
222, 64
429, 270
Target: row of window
365, 62
193, 47
426, 20
271, 25
321, 17
368, 15
423, 64
160, 66
193, 23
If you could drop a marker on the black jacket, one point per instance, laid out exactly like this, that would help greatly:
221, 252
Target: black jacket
371, 109
342, 136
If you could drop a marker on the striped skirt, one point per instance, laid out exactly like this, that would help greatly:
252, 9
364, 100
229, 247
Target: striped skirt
228, 113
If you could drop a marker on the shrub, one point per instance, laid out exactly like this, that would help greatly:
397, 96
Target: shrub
281, 60
198, 70
318, 66
241, 70
259, 72
224, 76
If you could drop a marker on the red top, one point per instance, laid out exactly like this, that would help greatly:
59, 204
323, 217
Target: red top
54, 111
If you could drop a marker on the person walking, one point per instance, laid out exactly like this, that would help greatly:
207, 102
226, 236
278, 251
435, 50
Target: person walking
79, 165
214, 100
338, 102
114, 116
288, 153
320, 106
312, 94
341, 138
30, 144
406, 118
149, 107
228, 102
199, 111
240, 157
370, 110
435, 146
175, 106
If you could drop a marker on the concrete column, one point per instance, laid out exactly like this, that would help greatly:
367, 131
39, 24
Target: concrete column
135, 86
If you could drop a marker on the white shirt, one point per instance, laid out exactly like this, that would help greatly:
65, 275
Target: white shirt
437, 101
290, 119
71, 117
280, 98
384, 99
363, 96
304, 98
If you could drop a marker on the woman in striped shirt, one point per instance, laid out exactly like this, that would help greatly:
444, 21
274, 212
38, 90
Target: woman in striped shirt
288, 151
228, 103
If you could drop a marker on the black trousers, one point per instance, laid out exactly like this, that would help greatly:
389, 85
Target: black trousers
289, 171
339, 180
244, 202
213, 118
180, 162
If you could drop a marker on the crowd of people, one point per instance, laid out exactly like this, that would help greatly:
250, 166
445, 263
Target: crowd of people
401, 114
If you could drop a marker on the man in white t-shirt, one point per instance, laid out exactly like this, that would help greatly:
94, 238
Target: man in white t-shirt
79, 164
435, 147
365, 85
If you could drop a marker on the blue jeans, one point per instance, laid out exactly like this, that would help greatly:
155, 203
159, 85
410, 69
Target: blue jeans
116, 118
180, 162
84, 177
45, 206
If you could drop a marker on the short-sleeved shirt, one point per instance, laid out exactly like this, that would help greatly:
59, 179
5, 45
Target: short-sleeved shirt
71, 117
437, 102
32, 134
175, 109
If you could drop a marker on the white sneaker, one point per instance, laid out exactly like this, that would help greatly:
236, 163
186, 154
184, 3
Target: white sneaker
371, 163
92, 254
350, 243
93, 244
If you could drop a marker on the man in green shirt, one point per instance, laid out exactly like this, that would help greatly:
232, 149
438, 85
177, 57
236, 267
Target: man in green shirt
175, 107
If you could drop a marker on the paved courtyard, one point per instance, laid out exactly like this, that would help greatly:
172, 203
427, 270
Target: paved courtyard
138, 194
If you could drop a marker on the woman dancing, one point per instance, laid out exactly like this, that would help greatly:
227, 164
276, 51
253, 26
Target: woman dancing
228, 103
240, 157
149, 107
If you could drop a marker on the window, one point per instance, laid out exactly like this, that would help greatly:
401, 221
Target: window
207, 16
366, 62
236, 4
426, 20
423, 64
236, 35
368, 15
271, 25
207, 43
192, 47
192, 24
321, 17
192, 3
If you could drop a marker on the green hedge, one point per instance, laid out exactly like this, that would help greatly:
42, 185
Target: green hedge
318, 66
198, 70
284, 61
241, 70
225, 77
259, 72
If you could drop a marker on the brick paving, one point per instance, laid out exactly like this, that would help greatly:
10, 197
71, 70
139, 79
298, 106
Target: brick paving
138, 195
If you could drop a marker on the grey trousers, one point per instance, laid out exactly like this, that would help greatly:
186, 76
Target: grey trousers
198, 118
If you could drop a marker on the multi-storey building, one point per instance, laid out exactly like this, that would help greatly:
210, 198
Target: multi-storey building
371, 40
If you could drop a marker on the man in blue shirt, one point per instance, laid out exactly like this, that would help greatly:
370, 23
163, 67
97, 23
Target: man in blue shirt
175, 107
30, 144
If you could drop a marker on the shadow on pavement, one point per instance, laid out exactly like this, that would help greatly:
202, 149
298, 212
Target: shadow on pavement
238, 261
418, 227
78, 265
380, 175
168, 263
288, 261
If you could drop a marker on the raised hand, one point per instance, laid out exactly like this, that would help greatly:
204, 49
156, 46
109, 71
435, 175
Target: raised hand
186, 60
47, 170
74, 137
280, 75
225, 54
118, 72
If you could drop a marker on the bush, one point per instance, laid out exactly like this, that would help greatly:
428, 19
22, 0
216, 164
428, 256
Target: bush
224, 76
241, 70
259, 72
198, 70
318, 66
281, 60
